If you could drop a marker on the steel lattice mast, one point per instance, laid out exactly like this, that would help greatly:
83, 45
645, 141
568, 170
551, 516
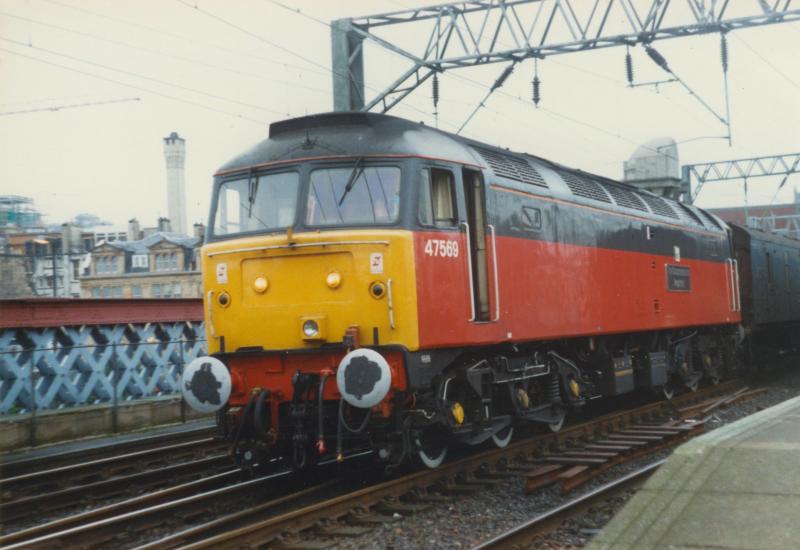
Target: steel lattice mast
479, 32
772, 165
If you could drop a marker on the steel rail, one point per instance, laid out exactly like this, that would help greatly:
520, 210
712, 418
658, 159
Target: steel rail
489, 463
105, 489
79, 472
523, 534
76, 525
99, 526
20, 463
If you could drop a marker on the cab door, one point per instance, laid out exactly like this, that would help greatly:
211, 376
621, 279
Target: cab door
476, 230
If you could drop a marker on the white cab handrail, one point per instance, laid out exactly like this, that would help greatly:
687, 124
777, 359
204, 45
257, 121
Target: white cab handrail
496, 274
469, 272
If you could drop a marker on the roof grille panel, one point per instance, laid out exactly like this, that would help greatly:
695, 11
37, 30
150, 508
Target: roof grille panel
584, 187
626, 198
694, 218
710, 221
511, 167
659, 206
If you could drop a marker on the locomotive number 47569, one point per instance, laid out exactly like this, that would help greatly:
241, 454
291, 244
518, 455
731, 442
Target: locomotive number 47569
441, 247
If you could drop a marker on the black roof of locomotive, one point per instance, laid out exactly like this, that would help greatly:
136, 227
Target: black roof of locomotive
355, 134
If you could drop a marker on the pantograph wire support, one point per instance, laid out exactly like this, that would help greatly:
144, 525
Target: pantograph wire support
659, 60
497, 84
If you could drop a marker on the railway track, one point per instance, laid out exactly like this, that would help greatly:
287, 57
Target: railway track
72, 482
270, 509
525, 534
350, 514
11, 466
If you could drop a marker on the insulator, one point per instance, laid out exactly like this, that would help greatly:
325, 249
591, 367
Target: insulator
657, 57
537, 96
435, 90
723, 52
629, 66
503, 76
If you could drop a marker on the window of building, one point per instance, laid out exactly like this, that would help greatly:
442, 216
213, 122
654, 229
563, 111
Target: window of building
95, 292
106, 292
155, 290
117, 292
166, 261
139, 260
136, 291
106, 264
437, 198
176, 290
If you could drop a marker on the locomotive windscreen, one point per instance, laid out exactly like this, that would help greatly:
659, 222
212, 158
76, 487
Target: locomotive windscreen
353, 196
256, 204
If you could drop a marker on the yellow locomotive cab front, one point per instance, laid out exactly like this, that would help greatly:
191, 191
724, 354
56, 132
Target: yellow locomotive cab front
303, 291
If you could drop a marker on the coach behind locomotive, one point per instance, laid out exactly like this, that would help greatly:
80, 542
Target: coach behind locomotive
372, 281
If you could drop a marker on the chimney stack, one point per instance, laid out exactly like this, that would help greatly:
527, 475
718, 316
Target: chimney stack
175, 154
200, 231
134, 231
164, 225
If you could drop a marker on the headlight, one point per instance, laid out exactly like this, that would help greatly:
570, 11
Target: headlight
310, 328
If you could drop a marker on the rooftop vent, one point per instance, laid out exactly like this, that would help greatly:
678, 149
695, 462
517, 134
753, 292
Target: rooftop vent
511, 167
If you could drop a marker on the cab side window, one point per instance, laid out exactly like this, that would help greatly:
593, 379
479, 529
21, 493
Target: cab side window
437, 206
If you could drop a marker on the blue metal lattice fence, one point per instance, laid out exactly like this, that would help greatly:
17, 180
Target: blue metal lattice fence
67, 366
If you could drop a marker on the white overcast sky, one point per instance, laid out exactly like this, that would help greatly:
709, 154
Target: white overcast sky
220, 86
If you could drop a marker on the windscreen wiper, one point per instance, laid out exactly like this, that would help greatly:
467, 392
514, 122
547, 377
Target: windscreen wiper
354, 175
252, 190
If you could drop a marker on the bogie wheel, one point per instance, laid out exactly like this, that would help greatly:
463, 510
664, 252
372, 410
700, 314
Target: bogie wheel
432, 448
557, 425
502, 438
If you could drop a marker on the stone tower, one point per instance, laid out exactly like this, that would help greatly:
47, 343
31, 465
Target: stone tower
175, 154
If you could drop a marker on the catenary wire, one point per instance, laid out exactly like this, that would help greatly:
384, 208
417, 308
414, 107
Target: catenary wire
144, 77
178, 36
136, 87
157, 52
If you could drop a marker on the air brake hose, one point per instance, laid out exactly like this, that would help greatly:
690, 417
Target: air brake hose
343, 423
320, 403
243, 419
258, 417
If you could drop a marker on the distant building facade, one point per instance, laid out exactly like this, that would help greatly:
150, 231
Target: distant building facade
52, 261
160, 265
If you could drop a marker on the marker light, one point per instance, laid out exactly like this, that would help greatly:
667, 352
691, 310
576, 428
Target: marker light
333, 279
261, 284
377, 289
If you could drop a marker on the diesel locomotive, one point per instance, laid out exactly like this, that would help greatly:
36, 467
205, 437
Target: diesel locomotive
369, 281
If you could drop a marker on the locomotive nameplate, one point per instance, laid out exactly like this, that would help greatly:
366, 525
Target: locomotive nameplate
679, 278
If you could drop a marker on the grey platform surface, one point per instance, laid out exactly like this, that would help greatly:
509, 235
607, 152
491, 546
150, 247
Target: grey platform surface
736, 487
